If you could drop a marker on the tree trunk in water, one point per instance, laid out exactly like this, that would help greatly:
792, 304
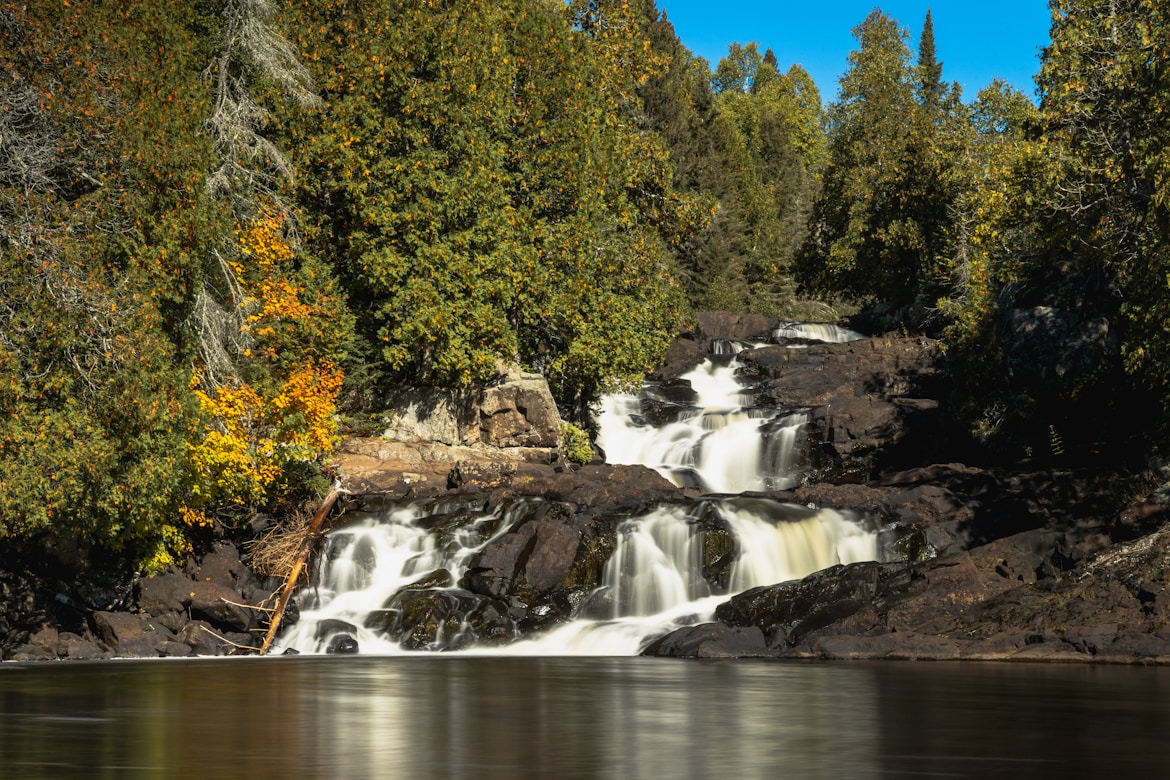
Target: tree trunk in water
298, 566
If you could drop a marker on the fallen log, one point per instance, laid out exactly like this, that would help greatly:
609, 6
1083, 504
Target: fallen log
298, 565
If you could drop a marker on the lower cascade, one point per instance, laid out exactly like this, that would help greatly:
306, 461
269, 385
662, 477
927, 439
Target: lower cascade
395, 581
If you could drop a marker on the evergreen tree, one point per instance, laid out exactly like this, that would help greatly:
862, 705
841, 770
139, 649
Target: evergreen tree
103, 231
879, 228
483, 195
1105, 92
930, 85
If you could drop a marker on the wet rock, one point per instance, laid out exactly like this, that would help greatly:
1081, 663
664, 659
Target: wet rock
442, 619
794, 609
342, 644
531, 558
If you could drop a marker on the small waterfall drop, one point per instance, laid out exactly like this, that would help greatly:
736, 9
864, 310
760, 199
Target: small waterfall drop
828, 332
702, 431
661, 575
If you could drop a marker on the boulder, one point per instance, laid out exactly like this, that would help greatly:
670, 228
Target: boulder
515, 410
519, 411
711, 640
131, 636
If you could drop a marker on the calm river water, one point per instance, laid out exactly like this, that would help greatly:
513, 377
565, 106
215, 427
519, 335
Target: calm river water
460, 717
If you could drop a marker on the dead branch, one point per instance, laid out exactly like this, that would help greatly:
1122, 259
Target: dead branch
299, 564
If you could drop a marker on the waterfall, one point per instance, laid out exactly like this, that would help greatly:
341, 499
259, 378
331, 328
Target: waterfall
394, 581
707, 435
815, 331
660, 576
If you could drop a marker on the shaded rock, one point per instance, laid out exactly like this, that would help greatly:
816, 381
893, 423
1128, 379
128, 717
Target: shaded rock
1049, 345
600, 487
220, 606
131, 636
163, 594
790, 610
78, 648
342, 644
203, 639
711, 640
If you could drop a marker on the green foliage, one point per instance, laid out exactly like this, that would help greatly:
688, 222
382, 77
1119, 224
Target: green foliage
109, 235
100, 242
483, 196
1104, 109
576, 444
878, 229
748, 140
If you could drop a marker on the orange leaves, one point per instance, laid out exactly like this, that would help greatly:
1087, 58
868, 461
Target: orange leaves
264, 243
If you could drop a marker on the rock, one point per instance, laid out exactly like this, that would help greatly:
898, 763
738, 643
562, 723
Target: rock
534, 556
691, 347
131, 636
516, 410
1051, 345
163, 594
79, 648
711, 640
442, 619
342, 644
519, 411
870, 399
221, 607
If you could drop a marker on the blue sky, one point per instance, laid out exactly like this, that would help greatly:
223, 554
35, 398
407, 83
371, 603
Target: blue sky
976, 40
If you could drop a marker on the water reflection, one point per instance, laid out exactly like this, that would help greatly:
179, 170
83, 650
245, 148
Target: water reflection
446, 717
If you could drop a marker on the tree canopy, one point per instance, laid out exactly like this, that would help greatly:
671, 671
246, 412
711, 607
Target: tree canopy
228, 225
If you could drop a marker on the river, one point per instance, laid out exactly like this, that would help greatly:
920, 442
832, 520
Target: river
448, 716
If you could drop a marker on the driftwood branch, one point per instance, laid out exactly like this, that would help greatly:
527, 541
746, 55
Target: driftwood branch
298, 565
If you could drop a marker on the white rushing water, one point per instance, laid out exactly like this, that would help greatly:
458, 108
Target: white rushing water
718, 442
652, 583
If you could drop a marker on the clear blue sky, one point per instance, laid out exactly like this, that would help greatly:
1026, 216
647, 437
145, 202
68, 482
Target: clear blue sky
976, 40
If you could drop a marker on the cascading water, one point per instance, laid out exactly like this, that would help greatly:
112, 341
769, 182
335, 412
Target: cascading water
662, 574
829, 332
702, 430
396, 581
709, 435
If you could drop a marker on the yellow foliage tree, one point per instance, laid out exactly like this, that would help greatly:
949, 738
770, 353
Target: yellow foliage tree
284, 413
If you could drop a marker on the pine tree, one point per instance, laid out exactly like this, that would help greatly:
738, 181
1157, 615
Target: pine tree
1105, 94
879, 228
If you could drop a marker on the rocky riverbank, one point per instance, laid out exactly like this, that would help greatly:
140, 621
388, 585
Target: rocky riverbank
1025, 561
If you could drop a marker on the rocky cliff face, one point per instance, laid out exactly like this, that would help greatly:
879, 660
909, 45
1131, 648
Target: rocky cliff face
439, 439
